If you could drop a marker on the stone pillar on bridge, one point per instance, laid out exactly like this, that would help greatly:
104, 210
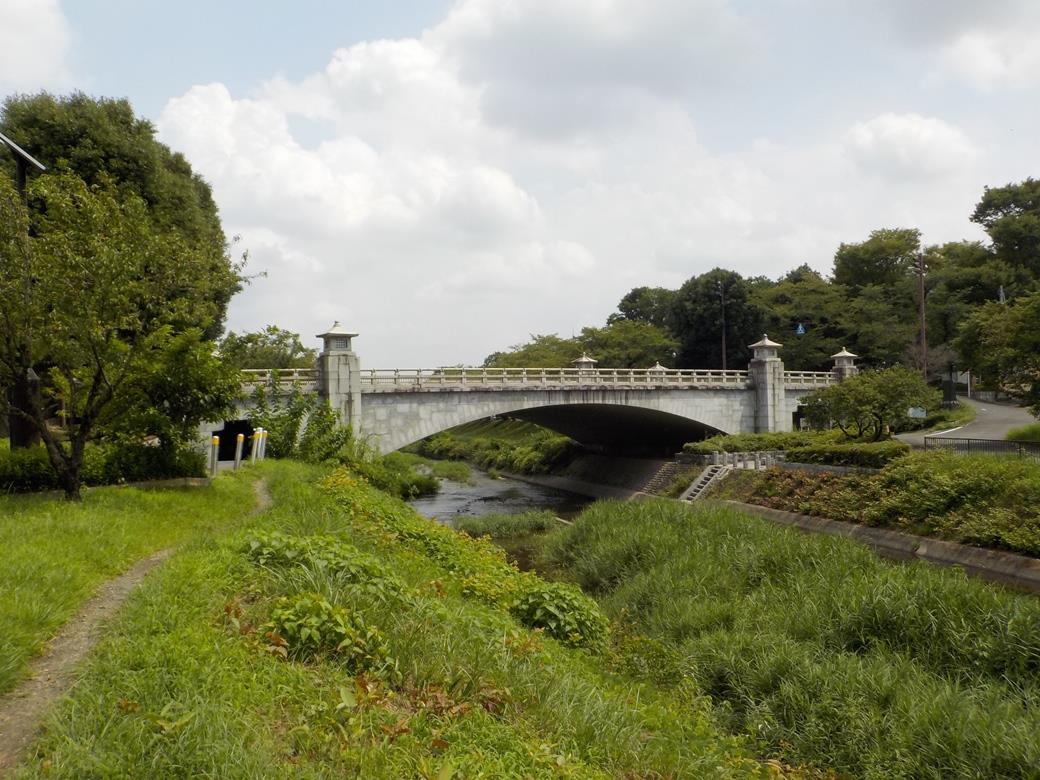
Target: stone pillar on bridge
339, 374
767, 375
844, 365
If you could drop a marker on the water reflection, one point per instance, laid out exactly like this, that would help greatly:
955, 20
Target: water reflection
486, 496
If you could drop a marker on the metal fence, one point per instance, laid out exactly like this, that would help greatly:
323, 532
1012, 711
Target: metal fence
1021, 449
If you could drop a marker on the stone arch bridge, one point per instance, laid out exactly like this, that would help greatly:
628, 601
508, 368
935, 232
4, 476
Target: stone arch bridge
654, 409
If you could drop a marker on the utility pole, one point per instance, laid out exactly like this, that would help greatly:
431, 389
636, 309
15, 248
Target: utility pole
722, 297
924, 332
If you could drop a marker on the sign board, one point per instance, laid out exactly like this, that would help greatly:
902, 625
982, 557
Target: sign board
800, 330
916, 413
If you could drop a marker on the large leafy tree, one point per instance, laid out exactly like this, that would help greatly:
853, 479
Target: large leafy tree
652, 305
1011, 216
805, 312
104, 144
870, 403
272, 347
621, 344
1001, 345
93, 300
709, 305
884, 259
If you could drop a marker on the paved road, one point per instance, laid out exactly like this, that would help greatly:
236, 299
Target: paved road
992, 421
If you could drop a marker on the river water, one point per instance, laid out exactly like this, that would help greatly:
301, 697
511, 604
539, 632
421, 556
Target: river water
486, 496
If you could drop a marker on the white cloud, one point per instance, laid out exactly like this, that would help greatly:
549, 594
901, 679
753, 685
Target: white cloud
993, 60
556, 67
34, 44
470, 187
902, 145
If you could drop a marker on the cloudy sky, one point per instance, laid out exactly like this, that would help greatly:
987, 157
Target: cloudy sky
449, 176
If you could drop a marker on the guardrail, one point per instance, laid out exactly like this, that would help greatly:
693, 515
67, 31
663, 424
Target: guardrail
1021, 449
388, 380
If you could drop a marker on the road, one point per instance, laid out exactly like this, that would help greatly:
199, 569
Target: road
992, 421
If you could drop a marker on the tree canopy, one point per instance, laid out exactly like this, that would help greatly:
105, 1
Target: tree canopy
272, 347
870, 403
93, 292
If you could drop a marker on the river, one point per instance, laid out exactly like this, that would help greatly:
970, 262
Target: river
486, 496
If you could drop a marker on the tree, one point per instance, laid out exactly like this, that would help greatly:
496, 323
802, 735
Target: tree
103, 143
884, 259
1001, 346
1011, 216
272, 347
870, 403
629, 344
542, 351
652, 305
804, 300
91, 303
709, 306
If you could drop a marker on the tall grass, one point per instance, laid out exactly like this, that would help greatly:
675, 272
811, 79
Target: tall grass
185, 684
56, 553
826, 654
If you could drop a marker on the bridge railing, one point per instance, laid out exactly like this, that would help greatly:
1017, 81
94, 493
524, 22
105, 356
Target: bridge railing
799, 380
376, 379
306, 377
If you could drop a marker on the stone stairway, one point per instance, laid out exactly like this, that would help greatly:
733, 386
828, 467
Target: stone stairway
663, 477
706, 479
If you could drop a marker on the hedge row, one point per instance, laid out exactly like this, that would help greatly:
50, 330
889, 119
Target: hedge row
867, 454
29, 470
759, 442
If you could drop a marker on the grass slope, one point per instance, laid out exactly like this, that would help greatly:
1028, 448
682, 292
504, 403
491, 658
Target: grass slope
445, 682
826, 654
56, 553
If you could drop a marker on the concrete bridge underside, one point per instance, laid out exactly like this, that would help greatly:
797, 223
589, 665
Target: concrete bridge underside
659, 419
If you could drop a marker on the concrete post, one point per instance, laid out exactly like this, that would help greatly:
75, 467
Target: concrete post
339, 375
767, 375
254, 451
239, 441
214, 454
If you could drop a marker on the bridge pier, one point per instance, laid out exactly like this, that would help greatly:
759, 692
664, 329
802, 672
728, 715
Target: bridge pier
766, 371
339, 374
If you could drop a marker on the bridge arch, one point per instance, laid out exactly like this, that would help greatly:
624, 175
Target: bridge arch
600, 417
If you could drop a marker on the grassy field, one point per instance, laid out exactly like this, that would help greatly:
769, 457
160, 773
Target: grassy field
56, 553
343, 635
823, 653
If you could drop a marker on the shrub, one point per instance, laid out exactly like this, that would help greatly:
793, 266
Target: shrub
324, 553
308, 626
867, 454
506, 526
1025, 433
29, 470
564, 612
757, 442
